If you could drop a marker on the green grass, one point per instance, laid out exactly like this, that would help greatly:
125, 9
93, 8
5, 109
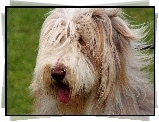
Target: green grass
23, 29
140, 16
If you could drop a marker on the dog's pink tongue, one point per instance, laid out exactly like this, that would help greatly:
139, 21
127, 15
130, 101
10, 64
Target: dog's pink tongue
64, 94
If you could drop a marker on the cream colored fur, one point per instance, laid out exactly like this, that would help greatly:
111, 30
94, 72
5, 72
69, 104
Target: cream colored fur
95, 45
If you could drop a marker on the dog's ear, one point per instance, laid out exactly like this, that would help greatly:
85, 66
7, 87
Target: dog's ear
120, 26
116, 45
113, 14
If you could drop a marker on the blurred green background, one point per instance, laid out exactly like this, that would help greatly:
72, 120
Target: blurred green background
23, 29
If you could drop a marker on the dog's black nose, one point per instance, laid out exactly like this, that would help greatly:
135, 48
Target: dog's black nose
58, 72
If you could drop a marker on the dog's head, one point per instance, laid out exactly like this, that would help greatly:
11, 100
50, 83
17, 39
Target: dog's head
83, 51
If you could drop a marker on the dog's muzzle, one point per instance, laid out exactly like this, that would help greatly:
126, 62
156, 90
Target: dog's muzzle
58, 73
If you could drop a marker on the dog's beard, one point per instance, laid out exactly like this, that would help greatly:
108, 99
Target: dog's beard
80, 75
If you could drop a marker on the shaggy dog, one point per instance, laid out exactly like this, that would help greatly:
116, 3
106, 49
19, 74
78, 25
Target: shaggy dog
86, 65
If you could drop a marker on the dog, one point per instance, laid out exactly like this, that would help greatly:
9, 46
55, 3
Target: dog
86, 65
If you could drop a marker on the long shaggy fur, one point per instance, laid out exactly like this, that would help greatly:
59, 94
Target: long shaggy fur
102, 71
